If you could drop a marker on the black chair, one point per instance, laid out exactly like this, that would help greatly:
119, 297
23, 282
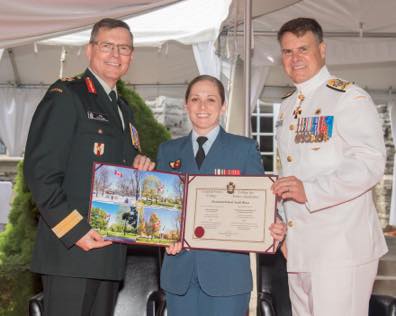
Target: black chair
36, 305
139, 294
272, 286
273, 290
382, 305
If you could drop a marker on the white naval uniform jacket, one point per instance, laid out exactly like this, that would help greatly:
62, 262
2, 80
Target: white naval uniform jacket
338, 226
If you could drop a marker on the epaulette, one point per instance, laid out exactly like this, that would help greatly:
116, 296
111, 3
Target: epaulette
288, 94
60, 83
56, 89
70, 79
338, 84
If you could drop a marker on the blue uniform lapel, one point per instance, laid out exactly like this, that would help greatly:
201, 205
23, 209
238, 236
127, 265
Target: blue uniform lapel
187, 156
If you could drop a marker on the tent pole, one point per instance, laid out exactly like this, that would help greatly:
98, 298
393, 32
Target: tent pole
17, 78
247, 65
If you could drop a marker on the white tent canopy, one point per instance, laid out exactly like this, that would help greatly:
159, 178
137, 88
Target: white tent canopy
368, 60
154, 28
24, 21
360, 37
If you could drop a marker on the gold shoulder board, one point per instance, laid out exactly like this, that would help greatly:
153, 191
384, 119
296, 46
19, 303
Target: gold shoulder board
58, 90
338, 84
67, 79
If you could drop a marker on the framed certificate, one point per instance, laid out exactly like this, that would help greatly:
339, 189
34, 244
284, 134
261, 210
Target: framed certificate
230, 213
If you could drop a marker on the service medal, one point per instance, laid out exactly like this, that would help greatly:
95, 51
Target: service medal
175, 164
135, 137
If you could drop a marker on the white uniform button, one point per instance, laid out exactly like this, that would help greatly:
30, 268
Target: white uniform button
289, 158
290, 224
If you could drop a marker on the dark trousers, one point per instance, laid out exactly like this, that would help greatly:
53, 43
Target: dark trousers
66, 296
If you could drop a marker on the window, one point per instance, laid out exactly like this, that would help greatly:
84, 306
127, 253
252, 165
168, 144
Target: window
3, 149
263, 126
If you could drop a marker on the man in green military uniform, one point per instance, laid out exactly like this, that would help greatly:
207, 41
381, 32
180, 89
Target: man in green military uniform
79, 121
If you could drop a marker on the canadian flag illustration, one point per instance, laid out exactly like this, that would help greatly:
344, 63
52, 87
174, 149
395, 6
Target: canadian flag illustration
118, 173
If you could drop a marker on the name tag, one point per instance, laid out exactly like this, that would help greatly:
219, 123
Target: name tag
279, 123
97, 116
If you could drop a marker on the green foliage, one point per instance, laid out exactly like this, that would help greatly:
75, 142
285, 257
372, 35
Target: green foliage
17, 283
16, 287
153, 226
99, 218
151, 133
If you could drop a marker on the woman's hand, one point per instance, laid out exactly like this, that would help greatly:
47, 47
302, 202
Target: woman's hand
174, 249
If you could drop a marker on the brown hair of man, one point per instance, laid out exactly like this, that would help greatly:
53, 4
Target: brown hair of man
300, 26
213, 80
109, 24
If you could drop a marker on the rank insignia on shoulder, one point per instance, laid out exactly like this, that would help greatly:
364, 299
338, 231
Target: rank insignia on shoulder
90, 85
175, 165
59, 90
338, 84
289, 93
68, 79
98, 149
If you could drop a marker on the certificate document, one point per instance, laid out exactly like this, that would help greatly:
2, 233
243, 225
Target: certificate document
229, 213
214, 212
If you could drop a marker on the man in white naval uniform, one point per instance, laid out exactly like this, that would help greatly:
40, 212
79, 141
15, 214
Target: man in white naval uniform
332, 154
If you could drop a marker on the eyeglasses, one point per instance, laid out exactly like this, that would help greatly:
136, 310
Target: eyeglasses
107, 47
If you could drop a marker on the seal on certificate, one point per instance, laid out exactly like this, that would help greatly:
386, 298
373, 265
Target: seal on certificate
230, 187
199, 231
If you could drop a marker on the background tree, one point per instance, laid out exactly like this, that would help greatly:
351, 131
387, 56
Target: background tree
17, 284
137, 179
153, 226
99, 218
178, 187
101, 180
130, 218
151, 187
151, 133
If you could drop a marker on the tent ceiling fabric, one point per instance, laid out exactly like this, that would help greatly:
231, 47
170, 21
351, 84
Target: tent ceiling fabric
369, 61
25, 21
352, 54
260, 7
337, 15
154, 28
